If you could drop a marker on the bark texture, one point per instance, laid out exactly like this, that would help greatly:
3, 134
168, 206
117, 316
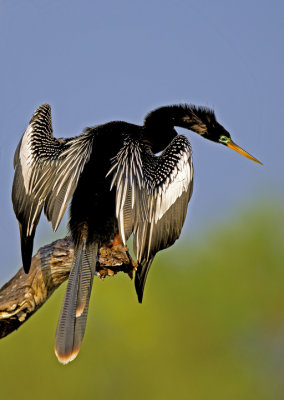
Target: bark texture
24, 294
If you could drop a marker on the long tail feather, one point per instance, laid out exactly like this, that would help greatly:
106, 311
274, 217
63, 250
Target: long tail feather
141, 276
73, 316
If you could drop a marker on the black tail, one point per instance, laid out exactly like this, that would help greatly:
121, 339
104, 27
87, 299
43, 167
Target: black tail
27, 244
141, 276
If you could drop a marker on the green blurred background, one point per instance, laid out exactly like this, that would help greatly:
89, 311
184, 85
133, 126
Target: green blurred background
211, 325
212, 322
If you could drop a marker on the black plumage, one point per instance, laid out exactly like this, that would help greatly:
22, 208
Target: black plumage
117, 185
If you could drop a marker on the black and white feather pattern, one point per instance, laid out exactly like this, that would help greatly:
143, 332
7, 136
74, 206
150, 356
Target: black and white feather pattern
73, 316
152, 194
47, 171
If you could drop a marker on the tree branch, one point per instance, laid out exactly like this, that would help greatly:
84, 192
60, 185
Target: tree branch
24, 294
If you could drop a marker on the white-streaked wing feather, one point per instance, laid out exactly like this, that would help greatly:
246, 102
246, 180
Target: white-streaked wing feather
46, 171
152, 193
70, 165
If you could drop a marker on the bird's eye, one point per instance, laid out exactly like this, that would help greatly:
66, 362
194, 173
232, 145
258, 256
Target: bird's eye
224, 139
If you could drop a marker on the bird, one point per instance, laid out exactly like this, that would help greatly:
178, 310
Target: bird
120, 179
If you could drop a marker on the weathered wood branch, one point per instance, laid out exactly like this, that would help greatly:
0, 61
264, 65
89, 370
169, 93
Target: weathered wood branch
26, 293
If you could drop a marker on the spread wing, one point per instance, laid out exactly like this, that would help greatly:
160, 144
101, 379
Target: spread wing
152, 194
47, 171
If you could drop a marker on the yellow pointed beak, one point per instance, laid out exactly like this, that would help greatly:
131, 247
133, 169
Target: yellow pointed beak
238, 149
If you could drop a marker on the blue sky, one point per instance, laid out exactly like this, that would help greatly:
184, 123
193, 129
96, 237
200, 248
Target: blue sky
101, 61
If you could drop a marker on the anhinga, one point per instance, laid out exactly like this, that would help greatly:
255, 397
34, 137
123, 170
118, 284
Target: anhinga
117, 185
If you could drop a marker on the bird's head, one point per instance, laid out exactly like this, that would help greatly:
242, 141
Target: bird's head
203, 121
220, 135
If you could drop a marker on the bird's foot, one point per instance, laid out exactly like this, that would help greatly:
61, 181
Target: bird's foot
113, 259
103, 272
116, 241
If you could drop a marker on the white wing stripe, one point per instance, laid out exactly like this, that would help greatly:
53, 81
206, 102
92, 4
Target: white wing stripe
147, 186
47, 170
26, 158
179, 184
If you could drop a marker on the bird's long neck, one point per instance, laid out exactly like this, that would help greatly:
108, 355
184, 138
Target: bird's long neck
159, 124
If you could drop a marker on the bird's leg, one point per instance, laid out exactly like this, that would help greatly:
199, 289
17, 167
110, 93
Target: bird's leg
116, 251
116, 241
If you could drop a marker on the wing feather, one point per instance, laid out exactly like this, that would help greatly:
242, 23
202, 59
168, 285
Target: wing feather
152, 194
47, 171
